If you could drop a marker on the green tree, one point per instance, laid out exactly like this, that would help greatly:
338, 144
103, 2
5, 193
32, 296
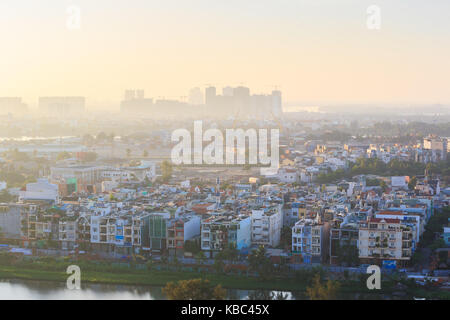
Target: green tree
260, 263
6, 197
348, 254
219, 265
192, 246
194, 289
412, 183
286, 237
229, 254
200, 257
383, 185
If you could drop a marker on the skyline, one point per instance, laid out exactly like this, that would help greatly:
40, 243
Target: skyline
315, 51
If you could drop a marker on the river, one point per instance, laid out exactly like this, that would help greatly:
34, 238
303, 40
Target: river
47, 290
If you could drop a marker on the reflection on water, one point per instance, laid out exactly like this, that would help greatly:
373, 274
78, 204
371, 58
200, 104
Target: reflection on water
42, 290
46, 290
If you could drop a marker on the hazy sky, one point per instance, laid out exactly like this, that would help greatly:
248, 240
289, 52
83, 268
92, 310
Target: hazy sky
315, 50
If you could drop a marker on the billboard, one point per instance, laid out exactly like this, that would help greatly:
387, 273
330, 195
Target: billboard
389, 264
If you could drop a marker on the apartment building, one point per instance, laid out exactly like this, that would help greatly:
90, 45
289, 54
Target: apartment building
154, 236
67, 232
384, 239
219, 232
344, 233
83, 232
10, 220
121, 234
310, 240
82, 177
38, 227
181, 229
411, 220
266, 223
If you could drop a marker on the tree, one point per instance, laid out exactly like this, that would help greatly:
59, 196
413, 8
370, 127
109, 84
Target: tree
219, 265
167, 169
63, 155
194, 289
319, 291
145, 154
128, 152
348, 254
260, 263
412, 183
230, 253
286, 237
192, 246
200, 257
383, 185
6, 197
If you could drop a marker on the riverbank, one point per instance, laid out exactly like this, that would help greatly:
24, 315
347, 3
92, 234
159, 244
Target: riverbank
151, 278
349, 288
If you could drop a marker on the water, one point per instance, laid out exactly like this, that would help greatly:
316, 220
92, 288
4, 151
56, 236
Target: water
47, 290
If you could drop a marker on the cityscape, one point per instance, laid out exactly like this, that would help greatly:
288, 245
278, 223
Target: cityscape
131, 182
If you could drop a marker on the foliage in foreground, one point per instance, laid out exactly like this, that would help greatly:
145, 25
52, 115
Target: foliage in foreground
195, 289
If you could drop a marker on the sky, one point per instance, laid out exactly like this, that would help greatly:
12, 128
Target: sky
315, 51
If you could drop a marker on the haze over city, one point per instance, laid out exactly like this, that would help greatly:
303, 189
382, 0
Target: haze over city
241, 151
316, 52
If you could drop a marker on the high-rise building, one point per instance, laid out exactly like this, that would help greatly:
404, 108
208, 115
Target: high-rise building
277, 108
62, 106
140, 94
210, 95
12, 105
228, 92
195, 97
130, 94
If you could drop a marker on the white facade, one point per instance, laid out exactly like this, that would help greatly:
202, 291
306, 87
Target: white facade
266, 224
40, 190
287, 175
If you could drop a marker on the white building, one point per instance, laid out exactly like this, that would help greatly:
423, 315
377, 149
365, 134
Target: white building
287, 175
40, 190
266, 225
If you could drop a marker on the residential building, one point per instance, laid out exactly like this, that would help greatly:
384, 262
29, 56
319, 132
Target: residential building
222, 231
383, 239
266, 223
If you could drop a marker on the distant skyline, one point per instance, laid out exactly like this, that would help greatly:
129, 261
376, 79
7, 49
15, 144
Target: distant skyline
316, 51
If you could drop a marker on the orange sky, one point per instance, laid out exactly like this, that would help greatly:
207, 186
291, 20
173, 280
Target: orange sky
316, 51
